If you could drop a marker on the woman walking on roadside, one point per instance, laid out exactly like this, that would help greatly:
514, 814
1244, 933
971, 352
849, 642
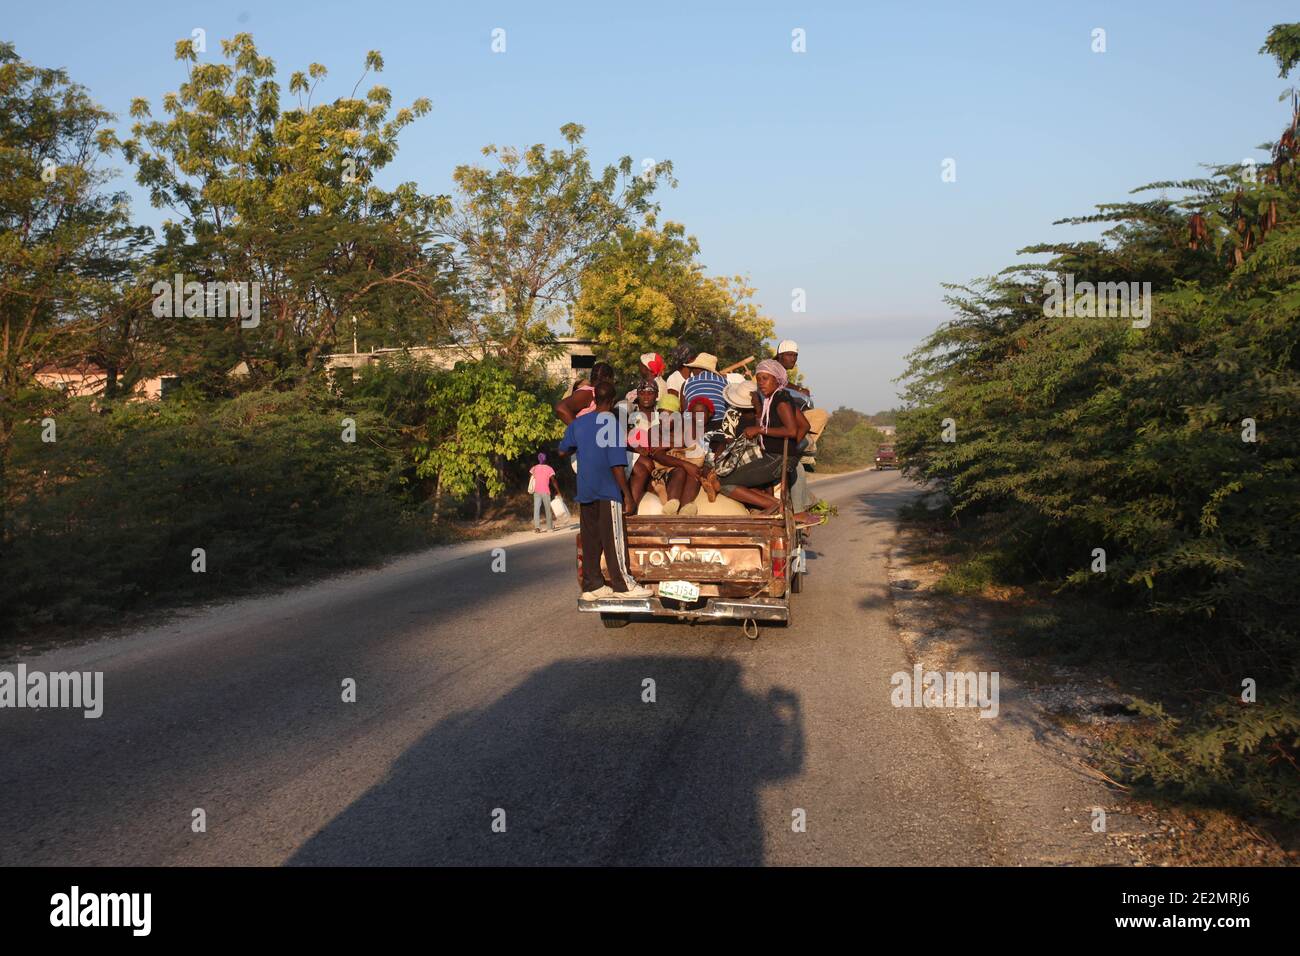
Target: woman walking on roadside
541, 483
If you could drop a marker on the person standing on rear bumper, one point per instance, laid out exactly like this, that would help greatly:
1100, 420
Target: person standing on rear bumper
603, 495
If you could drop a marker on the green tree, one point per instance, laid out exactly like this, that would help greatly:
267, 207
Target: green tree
286, 197
847, 441
1171, 446
1088, 431
66, 247
479, 419
647, 292
525, 232
717, 315
629, 296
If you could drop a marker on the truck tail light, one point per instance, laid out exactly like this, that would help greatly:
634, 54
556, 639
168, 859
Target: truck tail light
778, 567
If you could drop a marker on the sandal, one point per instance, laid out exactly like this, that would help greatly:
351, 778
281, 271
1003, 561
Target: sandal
712, 485
661, 489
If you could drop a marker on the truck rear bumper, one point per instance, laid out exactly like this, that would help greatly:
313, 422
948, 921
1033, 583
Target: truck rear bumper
735, 609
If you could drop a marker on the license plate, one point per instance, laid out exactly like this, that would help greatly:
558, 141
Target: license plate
679, 590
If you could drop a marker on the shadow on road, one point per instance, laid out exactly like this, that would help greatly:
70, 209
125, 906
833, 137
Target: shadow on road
586, 772
878, 505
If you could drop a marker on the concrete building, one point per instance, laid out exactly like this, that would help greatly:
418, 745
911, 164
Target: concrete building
91, 379
88, 378
575, 358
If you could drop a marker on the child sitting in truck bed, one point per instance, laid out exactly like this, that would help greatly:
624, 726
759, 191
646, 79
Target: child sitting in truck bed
674, 457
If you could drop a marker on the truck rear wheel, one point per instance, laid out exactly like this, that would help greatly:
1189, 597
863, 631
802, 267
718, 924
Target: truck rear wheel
615, 620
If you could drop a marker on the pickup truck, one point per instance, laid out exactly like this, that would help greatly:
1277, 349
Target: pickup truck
702, 567
885, 457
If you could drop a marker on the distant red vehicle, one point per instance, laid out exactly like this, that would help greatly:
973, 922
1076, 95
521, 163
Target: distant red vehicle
885, 457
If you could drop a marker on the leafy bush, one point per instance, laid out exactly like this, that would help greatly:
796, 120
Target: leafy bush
1174, 448
848, 441
105, 519
1240, 755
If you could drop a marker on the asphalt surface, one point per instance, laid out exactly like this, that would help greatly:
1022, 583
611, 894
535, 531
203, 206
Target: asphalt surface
479, 692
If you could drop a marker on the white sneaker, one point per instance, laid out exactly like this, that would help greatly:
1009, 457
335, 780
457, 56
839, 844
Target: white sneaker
636, 591
603, 591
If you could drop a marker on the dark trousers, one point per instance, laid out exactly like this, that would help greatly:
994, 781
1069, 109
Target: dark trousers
601, 527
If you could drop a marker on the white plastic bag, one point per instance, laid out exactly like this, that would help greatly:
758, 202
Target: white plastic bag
559, 509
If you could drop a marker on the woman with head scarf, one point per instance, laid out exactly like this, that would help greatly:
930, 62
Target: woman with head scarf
776, 431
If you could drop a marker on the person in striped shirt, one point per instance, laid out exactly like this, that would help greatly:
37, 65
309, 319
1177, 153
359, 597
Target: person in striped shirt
706, 382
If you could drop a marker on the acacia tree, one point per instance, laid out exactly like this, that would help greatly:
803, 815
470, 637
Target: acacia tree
65, 244
287, 197
526, 231
1078, 432
1170, 452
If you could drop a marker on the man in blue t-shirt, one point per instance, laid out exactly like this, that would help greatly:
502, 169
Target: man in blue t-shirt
602, 490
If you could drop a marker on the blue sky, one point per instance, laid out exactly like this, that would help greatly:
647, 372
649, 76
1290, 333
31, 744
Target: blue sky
818, 170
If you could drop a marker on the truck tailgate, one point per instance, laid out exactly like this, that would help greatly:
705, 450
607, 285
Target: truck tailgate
738, 566
725, 555
703, 550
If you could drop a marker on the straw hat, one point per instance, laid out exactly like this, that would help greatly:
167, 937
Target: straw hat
705, 361
739, 394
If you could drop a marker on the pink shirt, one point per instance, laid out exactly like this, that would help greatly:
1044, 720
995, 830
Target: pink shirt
542, 475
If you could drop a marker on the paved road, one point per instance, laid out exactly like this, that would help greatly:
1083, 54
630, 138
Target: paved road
479, 691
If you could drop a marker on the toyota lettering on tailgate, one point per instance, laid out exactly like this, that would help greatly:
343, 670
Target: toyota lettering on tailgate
677, 556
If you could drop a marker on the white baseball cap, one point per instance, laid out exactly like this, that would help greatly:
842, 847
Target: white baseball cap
787, 345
